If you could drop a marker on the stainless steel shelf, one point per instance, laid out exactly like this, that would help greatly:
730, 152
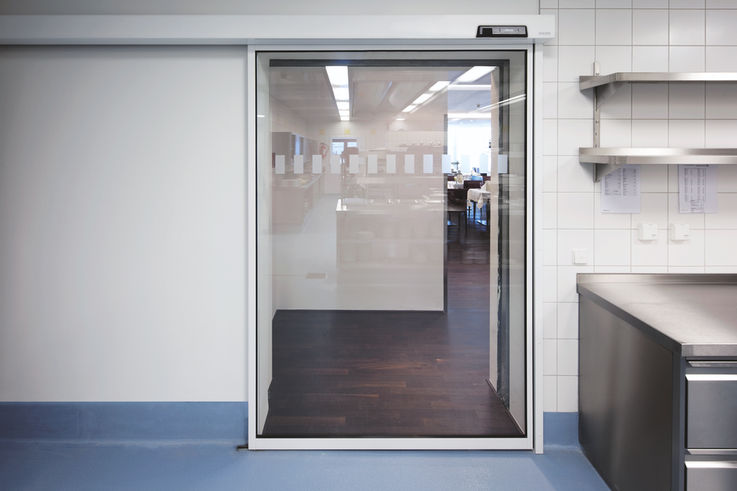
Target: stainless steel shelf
590, 81
608, 159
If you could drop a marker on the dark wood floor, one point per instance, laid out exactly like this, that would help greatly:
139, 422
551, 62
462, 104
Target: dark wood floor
388, 373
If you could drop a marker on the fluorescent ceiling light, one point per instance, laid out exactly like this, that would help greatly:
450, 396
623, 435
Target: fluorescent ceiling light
422, 98
469, 87
400, 118
338, 75
409, 108
341, 93
439, 86
343, 105
260, 116
473, 74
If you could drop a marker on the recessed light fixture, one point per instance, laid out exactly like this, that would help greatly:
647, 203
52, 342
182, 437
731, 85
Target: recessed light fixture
437, 86
400, 118
409, 108
469, 87
338, 76
474, 73
421, 99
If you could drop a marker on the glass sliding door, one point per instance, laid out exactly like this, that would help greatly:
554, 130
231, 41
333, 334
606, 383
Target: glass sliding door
391, 244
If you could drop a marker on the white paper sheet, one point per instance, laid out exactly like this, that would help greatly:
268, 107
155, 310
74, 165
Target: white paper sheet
409, 163
620, 191
373, 164
697, 189
299, 164
353, 164
317, 164
427, 163
334, 164
391, 164
279, 164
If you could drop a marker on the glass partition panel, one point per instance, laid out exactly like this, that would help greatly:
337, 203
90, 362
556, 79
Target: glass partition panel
391, 244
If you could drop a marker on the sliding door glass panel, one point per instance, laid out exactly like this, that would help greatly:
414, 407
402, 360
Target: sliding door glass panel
391, 248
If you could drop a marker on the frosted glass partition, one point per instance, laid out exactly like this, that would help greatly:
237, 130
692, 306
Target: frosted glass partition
364, 164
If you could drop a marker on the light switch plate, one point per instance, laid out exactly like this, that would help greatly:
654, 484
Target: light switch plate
580, 256
679, 232
647, 232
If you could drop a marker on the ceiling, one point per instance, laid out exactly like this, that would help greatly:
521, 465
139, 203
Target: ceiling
376, 93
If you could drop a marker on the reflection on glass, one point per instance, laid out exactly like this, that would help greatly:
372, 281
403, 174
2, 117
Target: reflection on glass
391, 244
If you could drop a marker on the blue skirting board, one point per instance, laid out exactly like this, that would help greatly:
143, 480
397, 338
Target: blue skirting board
169, 421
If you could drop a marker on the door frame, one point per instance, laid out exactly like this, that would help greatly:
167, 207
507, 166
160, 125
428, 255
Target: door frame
533, 242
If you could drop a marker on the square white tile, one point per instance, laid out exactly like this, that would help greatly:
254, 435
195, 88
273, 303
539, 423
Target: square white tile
613, 27
550, 100
612, 247
573, 103
550, 210
576, 27
686, 133
575, 211
650, 58
686, 27
686, 101
617, 105
608, 220
567, 394
613, 4
689, 252
649, 101
650, 27
686, 59
550, 284
567, 282
550, 136
550, 320
574, 61
616, 133
649, 269
720, 27
687, 4
573, 176
720, 247
550, 393
550, 357
721, 4
721, 59
574, 133
576, 4
721, 101
653, 209
726, 216
720, 133
614, 58
653, 179
727, 179
650, 253
650, 4
550, 174
568, 320
550, 63
550, 247
570, 240
567, 357
649, 133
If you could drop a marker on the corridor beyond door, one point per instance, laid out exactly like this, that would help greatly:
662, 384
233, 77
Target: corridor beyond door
391, 239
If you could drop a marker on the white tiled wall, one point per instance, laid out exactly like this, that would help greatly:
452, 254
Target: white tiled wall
636, 35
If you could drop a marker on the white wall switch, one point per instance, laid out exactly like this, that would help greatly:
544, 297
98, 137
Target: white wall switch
580, 256
679, 232
647, 231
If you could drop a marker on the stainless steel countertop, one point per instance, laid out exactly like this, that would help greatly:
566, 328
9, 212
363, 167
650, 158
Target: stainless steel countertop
694, 315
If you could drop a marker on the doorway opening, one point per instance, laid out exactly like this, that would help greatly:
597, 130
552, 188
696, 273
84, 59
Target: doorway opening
391, 244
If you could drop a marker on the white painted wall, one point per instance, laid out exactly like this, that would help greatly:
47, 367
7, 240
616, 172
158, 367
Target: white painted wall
624, 35
122, 224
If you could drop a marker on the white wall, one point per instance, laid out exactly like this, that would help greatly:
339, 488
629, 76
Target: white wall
645, 35
122, 224
271, 7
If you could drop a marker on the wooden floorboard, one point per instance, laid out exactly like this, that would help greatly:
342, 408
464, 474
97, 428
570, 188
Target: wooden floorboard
384, 374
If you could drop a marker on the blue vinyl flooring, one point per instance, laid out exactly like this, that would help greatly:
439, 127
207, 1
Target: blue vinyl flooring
34, 465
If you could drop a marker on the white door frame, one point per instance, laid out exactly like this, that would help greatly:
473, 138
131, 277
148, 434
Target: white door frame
533, 365
356, 32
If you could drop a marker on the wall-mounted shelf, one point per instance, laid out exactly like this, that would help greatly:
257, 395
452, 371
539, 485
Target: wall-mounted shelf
609, 159
591, 81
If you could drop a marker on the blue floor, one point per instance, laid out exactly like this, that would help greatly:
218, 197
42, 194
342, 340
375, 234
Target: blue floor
191, 446
78, 466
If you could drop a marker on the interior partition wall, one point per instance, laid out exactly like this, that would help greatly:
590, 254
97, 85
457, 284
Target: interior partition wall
392, 248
